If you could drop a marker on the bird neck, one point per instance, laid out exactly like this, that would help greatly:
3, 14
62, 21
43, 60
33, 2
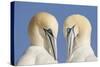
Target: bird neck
36, 38
82, 41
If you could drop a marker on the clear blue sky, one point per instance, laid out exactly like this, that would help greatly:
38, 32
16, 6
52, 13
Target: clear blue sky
24, 12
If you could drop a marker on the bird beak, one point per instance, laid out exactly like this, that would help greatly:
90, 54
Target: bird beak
70, 39
52, 41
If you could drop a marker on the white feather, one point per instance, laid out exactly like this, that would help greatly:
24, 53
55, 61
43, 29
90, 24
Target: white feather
36, 55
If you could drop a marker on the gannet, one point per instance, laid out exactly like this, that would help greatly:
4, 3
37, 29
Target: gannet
43, 29
77, 32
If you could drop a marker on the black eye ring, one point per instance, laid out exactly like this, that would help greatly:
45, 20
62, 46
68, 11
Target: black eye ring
49, 31
68, 30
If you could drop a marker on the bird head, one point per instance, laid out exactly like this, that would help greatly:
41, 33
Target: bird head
77, 28
43, 28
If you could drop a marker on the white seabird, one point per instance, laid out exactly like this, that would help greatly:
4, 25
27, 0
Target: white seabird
77, 32
43, 29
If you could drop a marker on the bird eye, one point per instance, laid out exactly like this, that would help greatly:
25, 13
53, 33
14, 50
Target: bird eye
68, 30
49, 31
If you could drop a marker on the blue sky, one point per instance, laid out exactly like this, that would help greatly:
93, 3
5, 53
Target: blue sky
24, 12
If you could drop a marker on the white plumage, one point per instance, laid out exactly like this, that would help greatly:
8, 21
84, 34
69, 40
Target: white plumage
43, 29
36, 55
77, 31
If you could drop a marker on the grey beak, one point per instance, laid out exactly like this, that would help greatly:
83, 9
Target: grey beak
52, 42
70, 39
